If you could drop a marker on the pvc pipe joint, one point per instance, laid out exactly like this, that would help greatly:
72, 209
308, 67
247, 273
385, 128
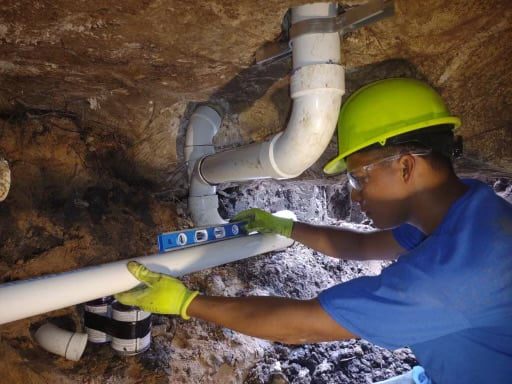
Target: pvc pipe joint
318, 78
61, 342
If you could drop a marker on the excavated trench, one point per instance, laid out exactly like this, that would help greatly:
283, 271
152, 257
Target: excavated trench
94, 101
75, 201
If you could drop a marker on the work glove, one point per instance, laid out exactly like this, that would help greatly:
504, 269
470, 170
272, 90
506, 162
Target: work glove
264, 222
158, 293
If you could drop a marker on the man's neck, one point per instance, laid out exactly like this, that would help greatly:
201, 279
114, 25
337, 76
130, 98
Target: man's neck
431, 205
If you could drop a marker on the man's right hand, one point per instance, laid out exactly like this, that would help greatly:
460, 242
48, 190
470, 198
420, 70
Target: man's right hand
264, 222
158, 293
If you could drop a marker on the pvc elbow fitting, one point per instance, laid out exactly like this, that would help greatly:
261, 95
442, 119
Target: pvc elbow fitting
61, 342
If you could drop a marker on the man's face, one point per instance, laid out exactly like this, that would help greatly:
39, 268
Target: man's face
381, 191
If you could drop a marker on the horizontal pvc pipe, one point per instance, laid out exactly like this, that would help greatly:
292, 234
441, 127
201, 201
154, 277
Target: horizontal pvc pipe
67, 344
250, 162
21, 299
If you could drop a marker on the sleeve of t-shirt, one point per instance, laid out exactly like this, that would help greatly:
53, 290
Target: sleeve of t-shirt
400, 307
408, 236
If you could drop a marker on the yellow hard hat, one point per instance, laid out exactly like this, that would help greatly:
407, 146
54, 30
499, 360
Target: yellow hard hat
384, 109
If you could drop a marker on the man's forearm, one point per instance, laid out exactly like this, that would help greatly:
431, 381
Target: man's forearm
348, 245
331, 241
272, 318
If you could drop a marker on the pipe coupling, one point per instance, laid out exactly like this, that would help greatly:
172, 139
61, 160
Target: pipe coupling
318, 78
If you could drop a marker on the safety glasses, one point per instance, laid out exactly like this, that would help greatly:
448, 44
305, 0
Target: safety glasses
358, 177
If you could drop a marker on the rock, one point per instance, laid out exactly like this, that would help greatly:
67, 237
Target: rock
278, 378
358, 351
5, 179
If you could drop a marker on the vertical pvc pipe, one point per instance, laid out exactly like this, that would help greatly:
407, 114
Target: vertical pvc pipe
316, 48
203, 202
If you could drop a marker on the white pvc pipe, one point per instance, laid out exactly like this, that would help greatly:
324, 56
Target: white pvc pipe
317, 86
67, 344
202, 128
317, 91
21, 299
315, 48
203, 202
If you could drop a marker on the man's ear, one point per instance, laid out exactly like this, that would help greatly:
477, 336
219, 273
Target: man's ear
407, 165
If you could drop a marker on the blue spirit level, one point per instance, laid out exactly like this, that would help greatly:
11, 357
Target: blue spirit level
196, 236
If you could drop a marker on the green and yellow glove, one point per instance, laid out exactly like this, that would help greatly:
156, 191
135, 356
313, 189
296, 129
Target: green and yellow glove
264, 222
159, 293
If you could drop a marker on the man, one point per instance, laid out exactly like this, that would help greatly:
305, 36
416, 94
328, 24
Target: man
449, 294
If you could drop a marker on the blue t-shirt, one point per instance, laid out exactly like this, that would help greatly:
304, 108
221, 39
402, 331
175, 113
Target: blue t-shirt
449, 298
